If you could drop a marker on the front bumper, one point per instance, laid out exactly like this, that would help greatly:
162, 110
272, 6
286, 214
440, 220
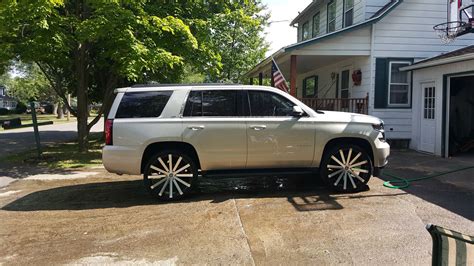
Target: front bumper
381, 153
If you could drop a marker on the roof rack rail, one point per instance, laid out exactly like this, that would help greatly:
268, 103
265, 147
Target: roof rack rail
184, 84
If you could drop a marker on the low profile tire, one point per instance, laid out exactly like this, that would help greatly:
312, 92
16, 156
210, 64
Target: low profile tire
170, 175
346, 168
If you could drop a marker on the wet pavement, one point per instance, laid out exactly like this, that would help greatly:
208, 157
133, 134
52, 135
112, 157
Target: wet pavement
104, 219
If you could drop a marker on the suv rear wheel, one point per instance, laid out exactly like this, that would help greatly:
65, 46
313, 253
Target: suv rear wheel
170, 175
346, 168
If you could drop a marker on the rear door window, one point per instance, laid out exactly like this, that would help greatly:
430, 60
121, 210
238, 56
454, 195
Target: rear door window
213, 103
143, 104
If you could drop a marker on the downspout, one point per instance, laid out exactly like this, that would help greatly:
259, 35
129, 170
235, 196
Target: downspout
372, 70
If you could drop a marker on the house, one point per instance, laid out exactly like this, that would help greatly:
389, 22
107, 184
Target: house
349, 56
443, 103
6, 101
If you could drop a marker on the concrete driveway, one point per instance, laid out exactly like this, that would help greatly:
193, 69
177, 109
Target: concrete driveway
99, 218
15, 140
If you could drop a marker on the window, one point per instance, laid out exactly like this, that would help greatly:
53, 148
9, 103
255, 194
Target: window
264, 103
316, 20
305, 33
348, 12
331, 16
143, 104
310, 86
429, 103
398, 84
213, 103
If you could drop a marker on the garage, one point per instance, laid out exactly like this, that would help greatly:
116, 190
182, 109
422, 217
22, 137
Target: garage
443, 104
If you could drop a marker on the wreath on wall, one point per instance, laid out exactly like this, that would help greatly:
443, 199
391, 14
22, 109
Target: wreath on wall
357, 77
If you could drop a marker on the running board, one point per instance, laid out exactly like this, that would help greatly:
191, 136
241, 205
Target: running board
258, 172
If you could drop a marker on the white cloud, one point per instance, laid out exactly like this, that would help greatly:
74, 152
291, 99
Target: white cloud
280, 34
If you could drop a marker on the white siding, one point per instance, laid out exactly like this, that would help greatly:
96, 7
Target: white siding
372, 6
432, 74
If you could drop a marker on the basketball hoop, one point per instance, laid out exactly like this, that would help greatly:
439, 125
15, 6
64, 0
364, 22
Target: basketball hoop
448, 31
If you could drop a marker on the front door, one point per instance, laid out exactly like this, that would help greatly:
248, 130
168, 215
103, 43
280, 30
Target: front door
428, 118
345, 81
276, 139
213, 123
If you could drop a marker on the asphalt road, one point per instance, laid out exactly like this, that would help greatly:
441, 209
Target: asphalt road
16, 140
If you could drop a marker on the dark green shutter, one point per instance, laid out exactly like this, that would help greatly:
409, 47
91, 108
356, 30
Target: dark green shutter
381, 83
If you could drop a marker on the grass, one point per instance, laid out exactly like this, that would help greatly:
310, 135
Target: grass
26, 118
62, 156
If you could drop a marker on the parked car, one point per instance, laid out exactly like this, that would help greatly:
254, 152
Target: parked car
173, 134
38, 108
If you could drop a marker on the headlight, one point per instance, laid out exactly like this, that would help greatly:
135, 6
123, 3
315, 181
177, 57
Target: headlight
380, 128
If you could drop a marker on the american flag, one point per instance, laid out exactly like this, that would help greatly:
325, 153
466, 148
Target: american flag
278, 79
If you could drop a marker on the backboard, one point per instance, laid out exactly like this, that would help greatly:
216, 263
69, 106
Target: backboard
460, 20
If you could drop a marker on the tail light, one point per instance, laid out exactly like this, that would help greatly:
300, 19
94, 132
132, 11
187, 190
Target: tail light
109, 125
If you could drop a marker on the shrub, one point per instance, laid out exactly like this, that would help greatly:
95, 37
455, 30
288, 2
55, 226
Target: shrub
20, 108
4, 111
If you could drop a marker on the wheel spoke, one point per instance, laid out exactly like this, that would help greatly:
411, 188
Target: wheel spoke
358, 177
330, 166
352, 180
158, 169
342, 156
358, 164
355, 158
349, 156
337, 161
182, 168
177, 163
177, 186
184, 175
163, 164
159, 182
335, 173
182, 182
339, 178
171, 188
360, 170
170, 162
164, 186
345, 181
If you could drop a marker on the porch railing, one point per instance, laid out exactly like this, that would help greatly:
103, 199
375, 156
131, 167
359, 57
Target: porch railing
352, 105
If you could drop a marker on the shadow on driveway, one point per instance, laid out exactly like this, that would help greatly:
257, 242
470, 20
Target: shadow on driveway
303, 193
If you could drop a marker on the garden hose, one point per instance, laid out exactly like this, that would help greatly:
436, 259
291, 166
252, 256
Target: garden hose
400, 182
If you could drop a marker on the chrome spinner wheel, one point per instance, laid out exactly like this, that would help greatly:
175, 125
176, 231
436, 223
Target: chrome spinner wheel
346, 168
170, 175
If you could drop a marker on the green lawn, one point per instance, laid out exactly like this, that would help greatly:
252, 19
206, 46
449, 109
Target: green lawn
62, 156
27, 119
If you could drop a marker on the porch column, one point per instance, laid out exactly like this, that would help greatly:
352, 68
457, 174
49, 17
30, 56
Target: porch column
293, 76
251, 81
260, 78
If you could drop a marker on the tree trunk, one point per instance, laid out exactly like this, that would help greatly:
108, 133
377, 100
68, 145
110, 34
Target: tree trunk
55, 109
81, 91
60, 112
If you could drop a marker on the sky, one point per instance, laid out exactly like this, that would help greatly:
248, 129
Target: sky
280, 34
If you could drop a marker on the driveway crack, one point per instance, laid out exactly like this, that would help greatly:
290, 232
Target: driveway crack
243, 230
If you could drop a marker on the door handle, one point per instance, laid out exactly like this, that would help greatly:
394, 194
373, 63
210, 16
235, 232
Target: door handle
195, 128
258, 127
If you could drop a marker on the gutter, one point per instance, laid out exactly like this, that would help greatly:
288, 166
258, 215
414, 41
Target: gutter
438, 62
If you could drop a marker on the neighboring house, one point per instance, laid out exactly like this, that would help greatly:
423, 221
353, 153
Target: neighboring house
443, 103
349, 54
6, 101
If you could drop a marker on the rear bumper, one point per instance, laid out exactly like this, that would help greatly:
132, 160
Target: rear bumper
121, 159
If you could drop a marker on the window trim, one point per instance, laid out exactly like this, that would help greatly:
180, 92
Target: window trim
316, 87
344, 11
389, 72
314, 33
327, 16
306, 23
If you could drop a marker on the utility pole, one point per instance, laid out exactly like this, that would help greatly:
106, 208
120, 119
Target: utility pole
69, 104
35, 127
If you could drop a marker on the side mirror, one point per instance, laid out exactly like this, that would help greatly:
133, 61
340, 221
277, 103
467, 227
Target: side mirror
297, 111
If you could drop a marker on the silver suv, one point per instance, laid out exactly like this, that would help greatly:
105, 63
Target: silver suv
174, 133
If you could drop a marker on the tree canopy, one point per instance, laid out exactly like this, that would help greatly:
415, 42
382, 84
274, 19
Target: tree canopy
90, 47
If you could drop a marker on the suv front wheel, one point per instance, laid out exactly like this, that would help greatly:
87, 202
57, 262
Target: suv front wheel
346, 168
170, 175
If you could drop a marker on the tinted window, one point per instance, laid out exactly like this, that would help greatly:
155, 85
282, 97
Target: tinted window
264, 103
213, 103
143, 104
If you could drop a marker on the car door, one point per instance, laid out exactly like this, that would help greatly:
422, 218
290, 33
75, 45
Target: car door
213, 124
276, 138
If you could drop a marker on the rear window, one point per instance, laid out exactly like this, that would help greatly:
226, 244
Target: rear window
143, 104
